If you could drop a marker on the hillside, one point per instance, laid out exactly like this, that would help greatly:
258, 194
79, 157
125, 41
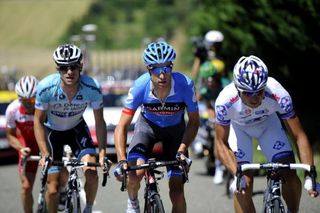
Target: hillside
30, 30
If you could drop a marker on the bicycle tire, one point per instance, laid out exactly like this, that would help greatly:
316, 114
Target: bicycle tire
276, 207
73, 204
42, 206
154, 205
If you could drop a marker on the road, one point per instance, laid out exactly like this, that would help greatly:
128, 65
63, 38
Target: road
201, 194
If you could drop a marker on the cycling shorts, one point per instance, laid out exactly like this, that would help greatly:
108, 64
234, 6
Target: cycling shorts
271, 138
78, 138
146, 134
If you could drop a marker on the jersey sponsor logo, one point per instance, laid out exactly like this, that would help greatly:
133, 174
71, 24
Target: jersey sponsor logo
262, 111
66, 114
239, 153
286, 104
278, 145
79, 97
165, 109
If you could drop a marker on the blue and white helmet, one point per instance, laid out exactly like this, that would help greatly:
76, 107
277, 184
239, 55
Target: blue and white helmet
250, 74
67, 54
158, 53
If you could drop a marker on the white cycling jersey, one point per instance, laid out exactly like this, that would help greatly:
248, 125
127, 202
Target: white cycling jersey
230, 108
261, 123
62, 114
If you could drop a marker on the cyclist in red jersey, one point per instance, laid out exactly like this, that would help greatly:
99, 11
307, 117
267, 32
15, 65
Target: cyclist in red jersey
20, 134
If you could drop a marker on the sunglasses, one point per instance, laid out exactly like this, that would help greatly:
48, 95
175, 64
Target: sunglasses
159, 70
26, 101
66, 68
252, 94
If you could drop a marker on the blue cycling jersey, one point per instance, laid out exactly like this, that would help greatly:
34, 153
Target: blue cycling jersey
169, 112
61, 113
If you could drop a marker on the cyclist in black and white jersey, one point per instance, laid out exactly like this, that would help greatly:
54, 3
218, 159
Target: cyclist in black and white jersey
60, 102
163, 95
247, 108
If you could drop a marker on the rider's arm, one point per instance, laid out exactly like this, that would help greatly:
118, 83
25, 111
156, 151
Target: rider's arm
221, 147
120, 135
299, 136
101, 131
39, 131
13, 140
190, 132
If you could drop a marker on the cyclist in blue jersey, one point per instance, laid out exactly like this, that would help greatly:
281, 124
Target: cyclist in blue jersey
164, 96
60, 102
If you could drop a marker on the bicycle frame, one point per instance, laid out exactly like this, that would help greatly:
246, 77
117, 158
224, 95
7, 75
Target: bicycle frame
153, 202
272, 196
73, 180
272, 200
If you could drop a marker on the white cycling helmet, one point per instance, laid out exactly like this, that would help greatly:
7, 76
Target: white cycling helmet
26, 86
67, 54
250, 74
213, 36
158, 53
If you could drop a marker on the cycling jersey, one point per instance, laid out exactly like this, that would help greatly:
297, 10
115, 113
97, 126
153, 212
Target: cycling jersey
230, 108
261, 123
17, 117
63, 114
169, 112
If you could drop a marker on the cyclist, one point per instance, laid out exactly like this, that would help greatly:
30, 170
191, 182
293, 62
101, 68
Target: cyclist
20, 135
163, 96
60, 102
248, 108
211, 86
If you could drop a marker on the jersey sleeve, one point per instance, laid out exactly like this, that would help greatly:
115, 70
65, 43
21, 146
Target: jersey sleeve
136, 93
10, 115
190, 96
96, 96
221, 109
43, 94
283, 98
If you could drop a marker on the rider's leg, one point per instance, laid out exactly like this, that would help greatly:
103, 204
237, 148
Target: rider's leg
91, 184
291, 187
26, 191
52, 192
176, 192
133, 184
243, 202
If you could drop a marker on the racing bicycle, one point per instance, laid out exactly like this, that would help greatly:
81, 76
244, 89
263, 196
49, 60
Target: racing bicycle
272, 198
152, 199
72, 203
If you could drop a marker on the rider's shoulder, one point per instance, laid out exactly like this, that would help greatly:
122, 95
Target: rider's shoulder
181, 78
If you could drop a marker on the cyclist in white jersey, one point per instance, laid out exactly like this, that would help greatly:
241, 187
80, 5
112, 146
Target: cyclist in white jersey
248, 108
60, 102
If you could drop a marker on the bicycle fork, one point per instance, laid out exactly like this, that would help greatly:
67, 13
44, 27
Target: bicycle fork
73, 188
272, 196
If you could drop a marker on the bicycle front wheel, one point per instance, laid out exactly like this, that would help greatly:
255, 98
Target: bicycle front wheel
277, 208
154, 205
73, 204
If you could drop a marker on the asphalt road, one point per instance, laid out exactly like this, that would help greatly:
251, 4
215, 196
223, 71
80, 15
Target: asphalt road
201, 194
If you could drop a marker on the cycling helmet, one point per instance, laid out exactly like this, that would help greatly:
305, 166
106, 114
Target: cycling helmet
158, 53
26, 86
250, 74
213, 36
207, 70
67, 54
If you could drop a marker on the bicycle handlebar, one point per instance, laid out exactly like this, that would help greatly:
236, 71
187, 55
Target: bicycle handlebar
73, 162
277, 166
152, 164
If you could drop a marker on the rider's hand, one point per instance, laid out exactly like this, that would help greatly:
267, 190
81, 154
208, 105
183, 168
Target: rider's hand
25, 151
308, 187
180, 156
233, 185
118, 171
